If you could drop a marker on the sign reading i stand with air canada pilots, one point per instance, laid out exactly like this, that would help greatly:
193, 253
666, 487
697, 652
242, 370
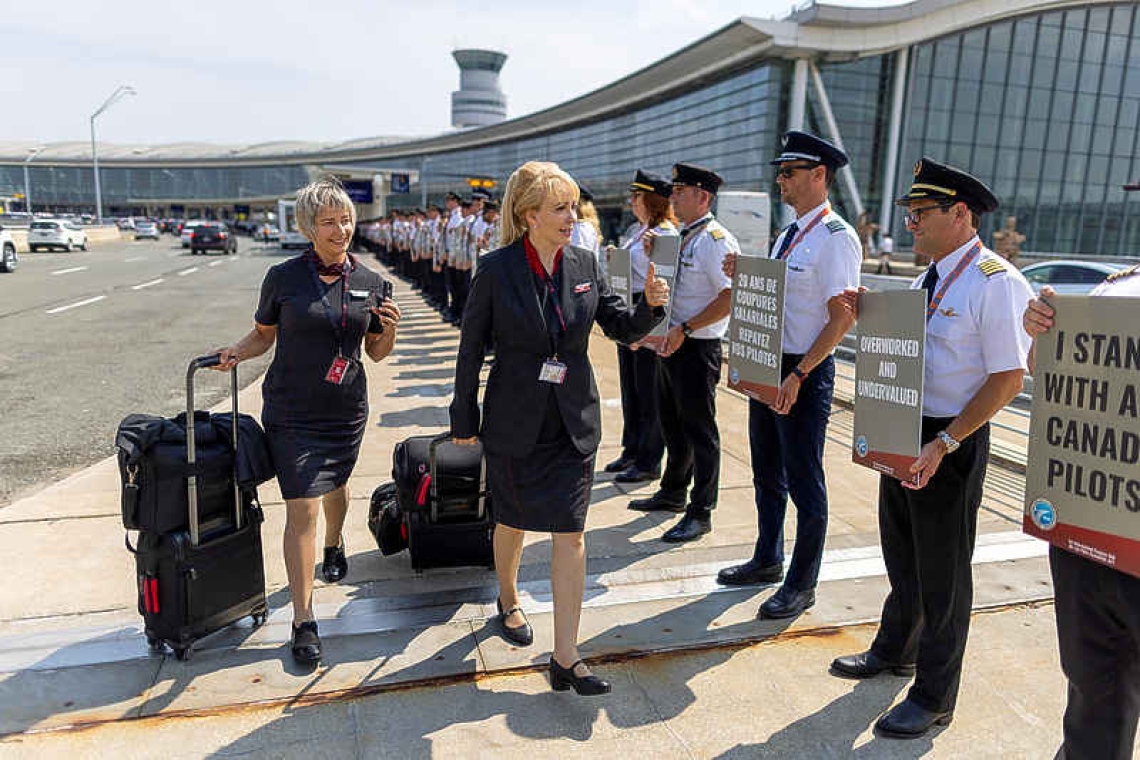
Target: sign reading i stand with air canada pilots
620, 270
756, 327
1082, 483
889, 367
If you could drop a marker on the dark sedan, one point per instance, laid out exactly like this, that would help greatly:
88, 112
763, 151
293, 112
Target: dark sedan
213, 236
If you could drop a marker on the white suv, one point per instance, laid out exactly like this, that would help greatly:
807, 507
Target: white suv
56, 233
8, 259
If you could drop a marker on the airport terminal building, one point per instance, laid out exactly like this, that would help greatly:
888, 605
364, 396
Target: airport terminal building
1040, 98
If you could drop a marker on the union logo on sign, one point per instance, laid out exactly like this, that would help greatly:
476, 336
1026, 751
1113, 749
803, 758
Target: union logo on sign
1043, 514
861, 445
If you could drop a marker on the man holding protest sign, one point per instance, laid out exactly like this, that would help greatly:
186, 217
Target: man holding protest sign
1098, 611
823, 256
976, 354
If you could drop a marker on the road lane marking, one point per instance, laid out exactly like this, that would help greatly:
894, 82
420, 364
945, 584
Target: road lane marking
146, 284
185, 272
216, 263
58, 309
69, 271
134, 258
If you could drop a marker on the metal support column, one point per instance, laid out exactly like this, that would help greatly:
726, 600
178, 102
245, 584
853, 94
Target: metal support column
797, 110
890, 166
846, 176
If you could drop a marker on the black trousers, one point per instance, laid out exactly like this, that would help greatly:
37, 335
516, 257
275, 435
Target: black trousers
687, 389
641, 437
1098, 629
439, 288
928, 542
460, 281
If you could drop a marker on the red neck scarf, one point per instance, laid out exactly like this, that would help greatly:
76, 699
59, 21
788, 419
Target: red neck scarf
339, 269
536, 264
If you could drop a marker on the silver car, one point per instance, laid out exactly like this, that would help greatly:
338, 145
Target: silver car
1069, 276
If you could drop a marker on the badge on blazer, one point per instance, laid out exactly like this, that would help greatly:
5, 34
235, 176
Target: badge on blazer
948, 312
582, 287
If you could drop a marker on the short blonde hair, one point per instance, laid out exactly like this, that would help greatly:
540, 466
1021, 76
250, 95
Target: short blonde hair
326, 192
527, 189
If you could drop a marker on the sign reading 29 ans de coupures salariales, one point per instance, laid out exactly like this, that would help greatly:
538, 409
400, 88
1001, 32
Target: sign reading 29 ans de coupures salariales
756, 327
1082, 484
889, 367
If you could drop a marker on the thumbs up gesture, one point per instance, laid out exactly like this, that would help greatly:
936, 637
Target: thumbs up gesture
656, 289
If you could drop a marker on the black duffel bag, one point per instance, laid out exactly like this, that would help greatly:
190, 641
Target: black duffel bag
386, 521
444, 480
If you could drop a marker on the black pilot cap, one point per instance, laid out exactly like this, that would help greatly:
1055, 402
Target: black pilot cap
647, 182
800, 146
697, 176
945, 184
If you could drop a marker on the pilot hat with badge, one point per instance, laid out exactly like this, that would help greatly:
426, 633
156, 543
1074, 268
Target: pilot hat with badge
801, 146
647, 182
947, 186
697, 176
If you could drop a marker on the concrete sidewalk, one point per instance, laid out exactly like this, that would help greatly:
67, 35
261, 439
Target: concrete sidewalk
72, 651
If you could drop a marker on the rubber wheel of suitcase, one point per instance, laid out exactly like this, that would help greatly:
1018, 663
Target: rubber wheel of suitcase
259, 618
184, 654
153, 643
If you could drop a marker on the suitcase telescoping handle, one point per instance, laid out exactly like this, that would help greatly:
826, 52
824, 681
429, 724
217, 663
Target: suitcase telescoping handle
202, 362
434, 481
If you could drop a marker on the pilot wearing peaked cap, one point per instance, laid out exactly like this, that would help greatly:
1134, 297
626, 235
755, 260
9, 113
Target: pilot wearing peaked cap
647, 182
801, 146
947, 186
697, 176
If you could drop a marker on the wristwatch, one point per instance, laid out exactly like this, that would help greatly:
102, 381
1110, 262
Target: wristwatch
947, 439
686, 329
799, 373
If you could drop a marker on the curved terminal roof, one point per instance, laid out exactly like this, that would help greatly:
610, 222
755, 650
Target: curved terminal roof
819, 29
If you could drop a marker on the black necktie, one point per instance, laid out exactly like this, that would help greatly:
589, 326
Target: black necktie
786, 243
929, 282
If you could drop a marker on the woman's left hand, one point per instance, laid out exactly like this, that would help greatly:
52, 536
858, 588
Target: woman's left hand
389, 314
656, 289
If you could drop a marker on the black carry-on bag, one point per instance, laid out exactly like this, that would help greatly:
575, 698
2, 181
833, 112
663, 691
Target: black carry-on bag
442, 494
197, 581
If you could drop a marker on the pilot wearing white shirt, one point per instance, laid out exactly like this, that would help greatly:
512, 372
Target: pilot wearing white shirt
976, 356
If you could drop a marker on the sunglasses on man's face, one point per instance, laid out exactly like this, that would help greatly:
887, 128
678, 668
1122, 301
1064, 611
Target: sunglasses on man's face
787, 171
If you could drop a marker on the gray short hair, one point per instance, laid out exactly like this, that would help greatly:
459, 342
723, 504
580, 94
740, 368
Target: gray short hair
326, 192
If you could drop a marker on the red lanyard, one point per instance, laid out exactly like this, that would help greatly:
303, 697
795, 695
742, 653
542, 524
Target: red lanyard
540, 271
806, 230
965, 262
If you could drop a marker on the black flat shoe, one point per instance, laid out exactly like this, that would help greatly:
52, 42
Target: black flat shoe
786, 603
335, 566
908, 720
656, 503
306, 643
867, 665
523, 635
750, 573
634, 474
619, 464
689, 528
562, 679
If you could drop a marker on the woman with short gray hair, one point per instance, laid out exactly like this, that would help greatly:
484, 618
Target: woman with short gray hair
319, 308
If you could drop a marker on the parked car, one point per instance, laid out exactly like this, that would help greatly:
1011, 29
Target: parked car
267, 233
126, 223
56, 233
188, 229
1069, 277
8, 258
213, 236
146, 229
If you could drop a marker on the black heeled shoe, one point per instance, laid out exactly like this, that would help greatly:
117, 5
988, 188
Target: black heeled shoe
523, 635
562, 679
306, 643
335, 566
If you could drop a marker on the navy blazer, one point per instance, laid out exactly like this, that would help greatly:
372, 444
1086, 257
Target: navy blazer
504, 307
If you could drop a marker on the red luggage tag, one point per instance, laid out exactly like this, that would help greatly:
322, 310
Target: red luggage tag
335, 375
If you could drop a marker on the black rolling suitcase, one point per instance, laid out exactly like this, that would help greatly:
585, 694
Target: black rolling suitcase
442, 494
196, 581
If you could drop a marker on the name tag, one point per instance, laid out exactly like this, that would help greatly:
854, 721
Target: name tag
666, 270
358, 293
335, 375
582, 287
552, 372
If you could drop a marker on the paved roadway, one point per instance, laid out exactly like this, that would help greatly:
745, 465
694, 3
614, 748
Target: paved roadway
89, 337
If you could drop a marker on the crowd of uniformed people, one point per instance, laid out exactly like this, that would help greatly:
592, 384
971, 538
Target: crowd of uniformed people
526, 280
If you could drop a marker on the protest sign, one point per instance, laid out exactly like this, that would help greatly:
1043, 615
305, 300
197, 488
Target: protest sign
665, 256
620, 273
756, 327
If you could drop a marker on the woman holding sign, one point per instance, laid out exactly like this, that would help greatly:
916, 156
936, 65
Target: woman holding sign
537, 299
642, 443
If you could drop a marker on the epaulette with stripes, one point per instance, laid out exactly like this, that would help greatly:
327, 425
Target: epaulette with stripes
990, 267
1123, 273
836, 225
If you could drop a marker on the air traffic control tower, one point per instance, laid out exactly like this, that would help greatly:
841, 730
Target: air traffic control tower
478, 101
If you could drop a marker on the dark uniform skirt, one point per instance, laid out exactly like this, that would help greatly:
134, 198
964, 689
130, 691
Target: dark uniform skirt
314, 460
547, 489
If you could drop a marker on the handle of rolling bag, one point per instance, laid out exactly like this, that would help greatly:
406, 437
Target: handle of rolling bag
202, 362
431, 470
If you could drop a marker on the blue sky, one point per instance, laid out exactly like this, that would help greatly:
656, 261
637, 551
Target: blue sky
257, 71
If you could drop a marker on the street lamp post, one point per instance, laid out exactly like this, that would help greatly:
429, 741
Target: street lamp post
28, 185
117, 95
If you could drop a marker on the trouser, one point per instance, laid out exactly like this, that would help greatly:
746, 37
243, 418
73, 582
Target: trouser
1098, 629
425, 276
641, 437
462, 288
439, 288
687, 391
928, 541
452, 293
787, 458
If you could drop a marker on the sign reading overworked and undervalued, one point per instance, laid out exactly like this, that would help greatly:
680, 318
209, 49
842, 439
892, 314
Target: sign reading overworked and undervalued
1082, 483
888, 381
756, 327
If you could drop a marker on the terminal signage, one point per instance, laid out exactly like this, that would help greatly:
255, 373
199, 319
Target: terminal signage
177, 208
756, 327
360, 190
1082, 483
399, 183
889, 366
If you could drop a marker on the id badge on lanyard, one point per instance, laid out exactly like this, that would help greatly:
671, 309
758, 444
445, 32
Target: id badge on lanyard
553, 371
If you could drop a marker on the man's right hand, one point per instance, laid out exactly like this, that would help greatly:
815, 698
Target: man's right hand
729, 265
1038, 316
229, 359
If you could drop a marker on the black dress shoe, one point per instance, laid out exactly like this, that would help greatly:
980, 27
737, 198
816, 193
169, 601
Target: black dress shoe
909, 720
306, 643
335, 566
562, 679
868, 664
689, 528
657, 503
634, 474
619, 464
523, 635
750, 573
787, 602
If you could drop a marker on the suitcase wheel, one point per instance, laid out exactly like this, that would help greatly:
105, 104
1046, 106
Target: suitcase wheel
259, 618
183, 654
153, 643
